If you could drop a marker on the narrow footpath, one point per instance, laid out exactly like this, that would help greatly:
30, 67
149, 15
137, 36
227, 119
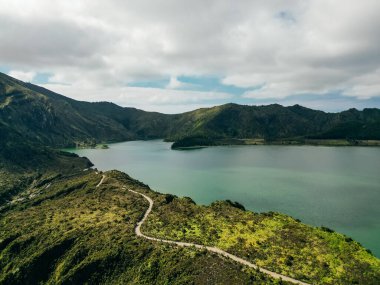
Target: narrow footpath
211, 249
101, 181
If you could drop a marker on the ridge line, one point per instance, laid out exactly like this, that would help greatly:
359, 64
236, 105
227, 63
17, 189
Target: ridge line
209, 248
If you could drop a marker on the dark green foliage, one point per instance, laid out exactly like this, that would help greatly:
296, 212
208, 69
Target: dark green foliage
326, 229
271, 240
236, 205
22, 162
57, 227
232, 124
193, 141
82, 236
169, 198
39, 115
51, 119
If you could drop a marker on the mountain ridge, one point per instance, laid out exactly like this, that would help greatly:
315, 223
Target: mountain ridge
48, 118
63, 222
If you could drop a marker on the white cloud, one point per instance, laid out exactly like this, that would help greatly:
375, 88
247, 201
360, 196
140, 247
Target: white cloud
22, 75
158, 99
364, 86
174, 83
284, 47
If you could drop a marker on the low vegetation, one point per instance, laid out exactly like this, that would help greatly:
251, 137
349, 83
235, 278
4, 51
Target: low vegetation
271, 240
43, 116
58, 227
23, 164
73, 232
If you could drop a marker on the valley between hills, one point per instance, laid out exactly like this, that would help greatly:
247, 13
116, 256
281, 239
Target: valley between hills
63, 222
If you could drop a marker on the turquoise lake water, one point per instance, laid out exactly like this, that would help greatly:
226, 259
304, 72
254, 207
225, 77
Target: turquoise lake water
337, 187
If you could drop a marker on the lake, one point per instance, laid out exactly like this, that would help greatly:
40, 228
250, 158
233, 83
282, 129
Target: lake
337, 187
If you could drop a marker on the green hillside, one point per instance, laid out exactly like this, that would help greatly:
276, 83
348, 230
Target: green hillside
68, 231
51, 119
272, 240
57, 226
232, 123
23, 161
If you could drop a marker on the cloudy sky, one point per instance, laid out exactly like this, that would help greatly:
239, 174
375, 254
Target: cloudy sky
175, 55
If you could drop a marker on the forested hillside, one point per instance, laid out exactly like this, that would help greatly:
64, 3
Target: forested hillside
42, 116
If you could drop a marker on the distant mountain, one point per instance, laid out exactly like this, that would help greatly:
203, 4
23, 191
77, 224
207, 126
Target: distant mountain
273, 123
42, 116
63, 222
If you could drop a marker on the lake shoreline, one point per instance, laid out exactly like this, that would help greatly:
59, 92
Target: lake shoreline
336, 187
242, 142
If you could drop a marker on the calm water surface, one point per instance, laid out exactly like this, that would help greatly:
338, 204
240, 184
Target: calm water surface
338, 187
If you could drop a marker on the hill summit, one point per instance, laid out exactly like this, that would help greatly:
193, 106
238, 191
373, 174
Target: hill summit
43, 116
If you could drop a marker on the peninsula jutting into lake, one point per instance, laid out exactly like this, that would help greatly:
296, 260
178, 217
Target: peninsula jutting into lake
189, 142
57, 207
318, 185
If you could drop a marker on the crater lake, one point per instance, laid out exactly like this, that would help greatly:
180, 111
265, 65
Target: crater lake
336, 187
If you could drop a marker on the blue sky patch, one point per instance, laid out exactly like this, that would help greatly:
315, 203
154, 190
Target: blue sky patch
210, 84
194, 83
41, 78
150, 83
4, 69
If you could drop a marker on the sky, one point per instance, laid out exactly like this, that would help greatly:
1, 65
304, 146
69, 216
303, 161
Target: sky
177, 55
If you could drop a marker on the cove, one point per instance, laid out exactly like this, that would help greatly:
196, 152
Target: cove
337, 187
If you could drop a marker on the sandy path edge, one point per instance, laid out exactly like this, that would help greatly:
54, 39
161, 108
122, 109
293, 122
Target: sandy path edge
209, 248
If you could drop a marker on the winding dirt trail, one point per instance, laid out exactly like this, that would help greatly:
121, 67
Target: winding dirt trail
101, 181
209, 248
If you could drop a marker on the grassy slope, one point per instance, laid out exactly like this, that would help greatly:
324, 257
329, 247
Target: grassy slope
59, 228
23, 163
228, 124
272, 240
52, 119
75, 233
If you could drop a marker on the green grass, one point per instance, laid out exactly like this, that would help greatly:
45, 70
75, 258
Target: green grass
23, 167
75, 233
57, 227
272, 240
62, 229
